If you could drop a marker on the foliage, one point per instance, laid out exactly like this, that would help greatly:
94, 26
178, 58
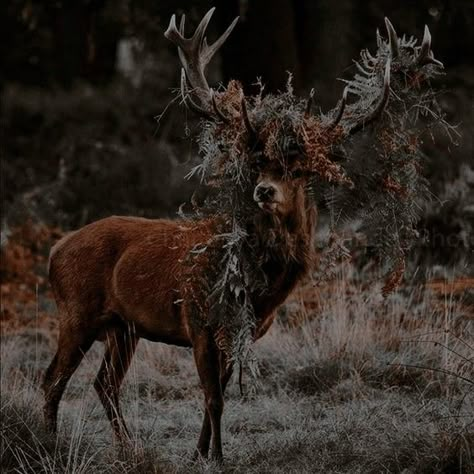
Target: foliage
384, 187
389, 189
334, 392
72, 158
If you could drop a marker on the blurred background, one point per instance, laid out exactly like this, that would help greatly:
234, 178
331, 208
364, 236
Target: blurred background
90, 123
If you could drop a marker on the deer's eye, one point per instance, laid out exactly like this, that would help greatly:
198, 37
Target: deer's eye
297, 173
260, 161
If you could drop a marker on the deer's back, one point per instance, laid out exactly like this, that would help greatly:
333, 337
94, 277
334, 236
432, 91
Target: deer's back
131, 267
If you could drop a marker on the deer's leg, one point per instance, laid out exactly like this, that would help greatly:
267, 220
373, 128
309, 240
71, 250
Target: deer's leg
72, 346
205, 436
120, 347
207, 363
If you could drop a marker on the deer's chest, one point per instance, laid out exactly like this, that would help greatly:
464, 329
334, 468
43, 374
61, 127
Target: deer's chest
281, 279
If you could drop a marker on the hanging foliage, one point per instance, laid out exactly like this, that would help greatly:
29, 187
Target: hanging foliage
363, 157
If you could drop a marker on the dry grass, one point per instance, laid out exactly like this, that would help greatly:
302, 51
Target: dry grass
336, 393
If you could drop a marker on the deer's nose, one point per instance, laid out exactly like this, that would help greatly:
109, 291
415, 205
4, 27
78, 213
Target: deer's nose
264, 192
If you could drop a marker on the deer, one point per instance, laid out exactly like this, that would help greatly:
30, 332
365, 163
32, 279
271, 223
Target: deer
121, 279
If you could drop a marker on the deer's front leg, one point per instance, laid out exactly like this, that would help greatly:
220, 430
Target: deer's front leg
207, 363
205, 436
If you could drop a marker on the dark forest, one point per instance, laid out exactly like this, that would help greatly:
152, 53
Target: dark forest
368, 365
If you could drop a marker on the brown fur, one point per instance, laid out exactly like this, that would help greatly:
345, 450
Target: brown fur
123, 278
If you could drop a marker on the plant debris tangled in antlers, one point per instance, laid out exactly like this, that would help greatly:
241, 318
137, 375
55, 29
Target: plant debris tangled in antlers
363, 157
382, 185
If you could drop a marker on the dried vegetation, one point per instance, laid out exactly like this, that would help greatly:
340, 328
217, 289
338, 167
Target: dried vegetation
349, 382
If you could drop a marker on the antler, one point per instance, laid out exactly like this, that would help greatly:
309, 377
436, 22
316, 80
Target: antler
246, 119
190, 102
309, 103
195, 55
425, 55
369, 66
392, 39
372, 116
340, 111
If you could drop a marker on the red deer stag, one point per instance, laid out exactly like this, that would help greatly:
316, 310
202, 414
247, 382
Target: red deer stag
124, 278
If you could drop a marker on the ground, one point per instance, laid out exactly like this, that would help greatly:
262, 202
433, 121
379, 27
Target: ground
349, 382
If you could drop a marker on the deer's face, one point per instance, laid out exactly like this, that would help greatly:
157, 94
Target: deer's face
278, 183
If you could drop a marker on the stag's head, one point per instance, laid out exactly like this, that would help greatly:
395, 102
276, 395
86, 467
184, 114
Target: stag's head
276, 177
278, 182
274, 142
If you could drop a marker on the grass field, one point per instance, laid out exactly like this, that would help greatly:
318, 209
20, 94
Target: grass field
346, 385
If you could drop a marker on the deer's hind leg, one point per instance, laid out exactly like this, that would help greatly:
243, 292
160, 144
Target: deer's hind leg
73, 344
120, 345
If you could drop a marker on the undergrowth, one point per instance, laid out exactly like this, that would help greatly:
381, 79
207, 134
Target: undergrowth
348, 383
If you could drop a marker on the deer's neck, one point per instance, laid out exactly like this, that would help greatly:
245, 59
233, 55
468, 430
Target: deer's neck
284, 255
284, 241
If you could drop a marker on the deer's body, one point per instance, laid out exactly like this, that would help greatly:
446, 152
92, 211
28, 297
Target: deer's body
124, 278
130, 270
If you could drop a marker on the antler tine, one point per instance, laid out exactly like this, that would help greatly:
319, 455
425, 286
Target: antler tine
173, 34
380, 106
198, 35
379, 38
181, 56
190, 54
340, 111
189, 101
212, 49
392, 38
425, 56
425, 44
195, 54
248, 124
309, 104
218, 111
